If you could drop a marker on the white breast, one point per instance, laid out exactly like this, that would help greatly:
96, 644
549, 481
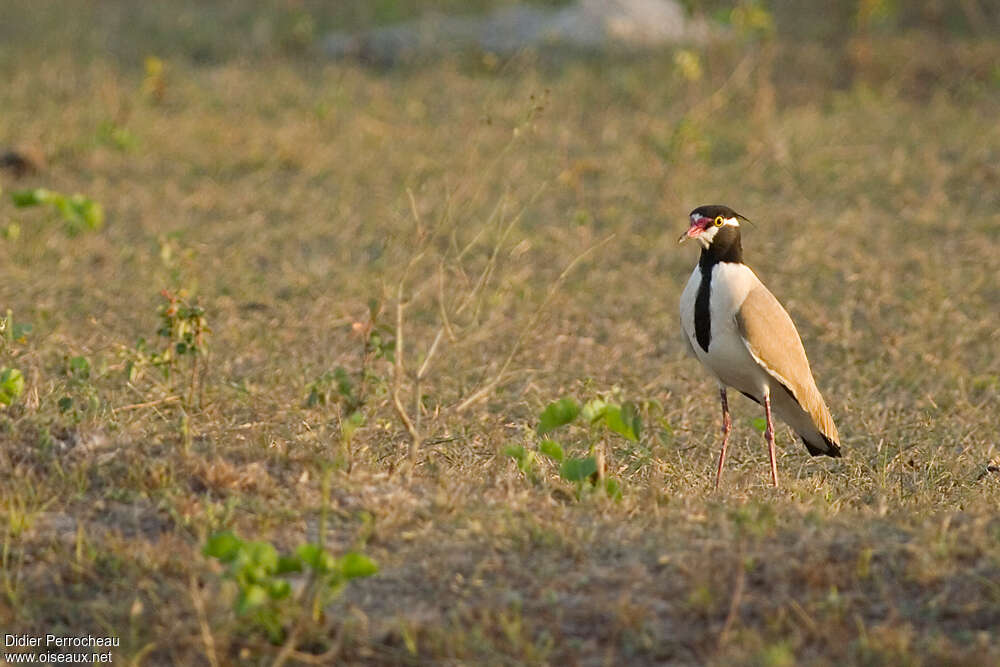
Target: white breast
727, 357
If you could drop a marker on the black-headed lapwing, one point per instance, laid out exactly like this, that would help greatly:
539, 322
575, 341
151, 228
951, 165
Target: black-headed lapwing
741, 334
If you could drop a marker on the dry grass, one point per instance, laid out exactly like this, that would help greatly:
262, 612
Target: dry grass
277, 190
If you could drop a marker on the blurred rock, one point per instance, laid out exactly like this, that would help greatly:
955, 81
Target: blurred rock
22, 160
592, 25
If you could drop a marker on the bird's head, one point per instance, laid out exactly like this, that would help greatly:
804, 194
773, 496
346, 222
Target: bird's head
715, 226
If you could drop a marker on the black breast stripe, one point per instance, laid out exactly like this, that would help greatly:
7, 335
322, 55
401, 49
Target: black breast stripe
702, 312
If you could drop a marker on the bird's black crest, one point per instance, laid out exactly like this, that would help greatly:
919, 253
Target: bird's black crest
713, 210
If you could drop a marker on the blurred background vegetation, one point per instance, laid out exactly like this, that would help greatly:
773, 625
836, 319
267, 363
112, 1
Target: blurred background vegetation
207, 32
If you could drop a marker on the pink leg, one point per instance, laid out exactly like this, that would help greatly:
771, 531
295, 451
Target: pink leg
769, 436
726, 427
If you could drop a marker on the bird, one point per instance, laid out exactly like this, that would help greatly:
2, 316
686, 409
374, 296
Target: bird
740, 332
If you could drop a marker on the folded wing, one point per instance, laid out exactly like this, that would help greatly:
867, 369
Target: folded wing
771, 338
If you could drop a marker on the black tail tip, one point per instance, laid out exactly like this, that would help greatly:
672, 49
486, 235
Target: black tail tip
832, 449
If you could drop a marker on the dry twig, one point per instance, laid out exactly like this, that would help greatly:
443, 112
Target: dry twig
206, 630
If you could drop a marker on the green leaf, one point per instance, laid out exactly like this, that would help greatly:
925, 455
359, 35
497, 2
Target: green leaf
11, 385
558, 414
666, 434
251, 573
111, 134
383, 344
759, 423
86, 211
318, 559
613, 419
594, 410
552, 449
79, 367
270, 620
353, 422
613, 489
344, 385
516, 452
25, 198
314, 397
263, 555
278, 589
354, 565
525, 458
11, 232
223, 546
310, 554
78, 210
624, 421
577, 470
65, 403
251, 596
632, 419
288, 564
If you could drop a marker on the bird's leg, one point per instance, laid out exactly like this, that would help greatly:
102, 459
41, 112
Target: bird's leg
726, 427
769, 436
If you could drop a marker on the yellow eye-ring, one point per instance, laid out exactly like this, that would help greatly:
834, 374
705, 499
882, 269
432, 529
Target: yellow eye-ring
718, 221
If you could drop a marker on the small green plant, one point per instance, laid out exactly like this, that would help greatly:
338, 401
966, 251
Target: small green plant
78, 368
337, 388
263, 579
10, 231
183, 324
349, 391
525, 459
13, 332
333, 387
81, 394
556, 414
78, 212
379, 338
579, 470
598, 414
11, 379
621, 419
116, 136
183, 328
11, 385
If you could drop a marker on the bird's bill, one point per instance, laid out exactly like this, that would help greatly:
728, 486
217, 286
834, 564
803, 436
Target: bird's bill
698, 225
692, 232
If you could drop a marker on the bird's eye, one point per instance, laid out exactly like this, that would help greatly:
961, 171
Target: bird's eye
718, 221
